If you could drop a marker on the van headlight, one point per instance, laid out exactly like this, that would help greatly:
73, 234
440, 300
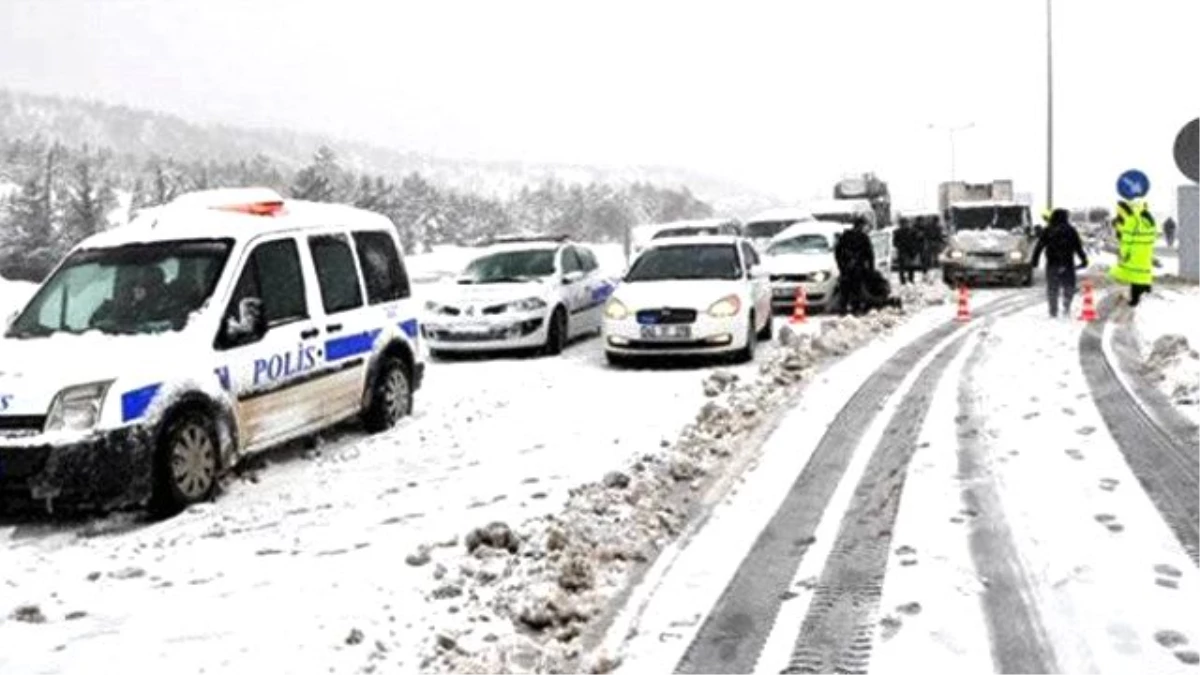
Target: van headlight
77, 408
1015, 256
526, 305
616, 310
725, 307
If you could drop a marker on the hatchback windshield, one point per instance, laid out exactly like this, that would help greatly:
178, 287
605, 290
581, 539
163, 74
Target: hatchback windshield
140, 288
994, 217
805, 243
686, 261
765, 229
689, 231
509, 266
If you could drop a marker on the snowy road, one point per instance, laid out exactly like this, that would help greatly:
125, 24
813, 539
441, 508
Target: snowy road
967, 510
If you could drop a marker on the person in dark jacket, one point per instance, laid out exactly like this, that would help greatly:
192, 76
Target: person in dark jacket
910, 243
1062, 244
855, 259
934, 241
1169, 231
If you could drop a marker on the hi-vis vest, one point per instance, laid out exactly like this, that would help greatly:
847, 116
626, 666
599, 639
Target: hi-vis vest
1138, 233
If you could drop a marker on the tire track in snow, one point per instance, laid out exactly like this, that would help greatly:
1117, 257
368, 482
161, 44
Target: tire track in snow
733, 634
1019, 641
838, 631
1159, 446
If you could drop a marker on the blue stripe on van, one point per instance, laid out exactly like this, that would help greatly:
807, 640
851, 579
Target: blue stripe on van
351, 345
134, 403
410, 328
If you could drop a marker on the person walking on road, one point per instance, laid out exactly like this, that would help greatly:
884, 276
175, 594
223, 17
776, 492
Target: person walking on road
855, 258
1061, 243
1169, 231
909, 243
1136, 235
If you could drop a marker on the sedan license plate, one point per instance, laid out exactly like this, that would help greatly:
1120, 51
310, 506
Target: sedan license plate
784, 292
669, 332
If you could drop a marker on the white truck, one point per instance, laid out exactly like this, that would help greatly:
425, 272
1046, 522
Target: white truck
990, 234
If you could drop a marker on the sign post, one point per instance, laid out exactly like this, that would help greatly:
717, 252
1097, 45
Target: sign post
1187, 158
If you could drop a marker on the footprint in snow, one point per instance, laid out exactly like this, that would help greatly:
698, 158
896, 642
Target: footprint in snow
1086, 431
890, 625
1170, 638
1188, 656
907, 556
910, 609
1167, 576
1031, 415
1074, 453
1069, 412
1108, 484
1110, 521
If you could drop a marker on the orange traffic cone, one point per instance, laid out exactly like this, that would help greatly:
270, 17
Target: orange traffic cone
800, 308
1089, 303
964, 309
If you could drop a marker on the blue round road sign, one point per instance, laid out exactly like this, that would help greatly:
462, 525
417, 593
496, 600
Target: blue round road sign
1133, 184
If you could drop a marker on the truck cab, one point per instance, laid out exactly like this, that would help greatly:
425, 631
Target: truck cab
989, 242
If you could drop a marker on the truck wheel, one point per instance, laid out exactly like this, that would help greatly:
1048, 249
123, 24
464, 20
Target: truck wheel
391, 397
185, 462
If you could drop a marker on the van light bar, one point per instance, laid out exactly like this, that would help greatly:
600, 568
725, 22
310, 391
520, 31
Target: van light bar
254, 208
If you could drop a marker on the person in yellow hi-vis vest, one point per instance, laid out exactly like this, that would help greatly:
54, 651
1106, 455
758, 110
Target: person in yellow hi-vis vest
1136, 235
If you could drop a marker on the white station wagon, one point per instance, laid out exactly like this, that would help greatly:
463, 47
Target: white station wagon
159, 353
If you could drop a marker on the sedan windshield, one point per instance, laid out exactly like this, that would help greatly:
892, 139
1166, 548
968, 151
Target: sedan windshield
509, 266
687, 261
140, 288
805, 243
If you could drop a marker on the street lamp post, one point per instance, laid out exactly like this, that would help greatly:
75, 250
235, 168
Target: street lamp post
953, 151
1049, 107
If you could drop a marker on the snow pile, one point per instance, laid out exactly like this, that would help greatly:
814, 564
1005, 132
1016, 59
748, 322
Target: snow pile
1172, 364
534, 598
1168, 343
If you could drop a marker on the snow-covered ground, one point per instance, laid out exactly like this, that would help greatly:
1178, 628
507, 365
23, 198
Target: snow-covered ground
1169, 337
279, 573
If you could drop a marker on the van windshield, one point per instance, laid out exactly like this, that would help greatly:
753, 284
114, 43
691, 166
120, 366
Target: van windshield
804, 243
765, 229
989, 217
139, 288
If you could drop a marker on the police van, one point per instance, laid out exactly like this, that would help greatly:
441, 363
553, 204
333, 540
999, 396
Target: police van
158, 354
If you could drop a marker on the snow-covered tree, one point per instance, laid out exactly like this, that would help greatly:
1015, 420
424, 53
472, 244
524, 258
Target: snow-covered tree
89, 195
321, 181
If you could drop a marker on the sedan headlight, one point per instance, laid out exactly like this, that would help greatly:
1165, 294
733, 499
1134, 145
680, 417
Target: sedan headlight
726, 306
77, 408
820, 276
526, 305
956, 255
616, 310
1015, 256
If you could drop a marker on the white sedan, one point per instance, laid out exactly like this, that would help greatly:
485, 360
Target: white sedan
704, 295
538, 293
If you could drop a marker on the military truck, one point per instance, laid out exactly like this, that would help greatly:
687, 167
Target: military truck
990, 234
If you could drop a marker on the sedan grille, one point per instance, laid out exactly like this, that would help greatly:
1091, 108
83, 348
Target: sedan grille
666, 315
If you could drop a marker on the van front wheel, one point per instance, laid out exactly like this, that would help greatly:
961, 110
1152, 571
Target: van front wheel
391, 396
185, 462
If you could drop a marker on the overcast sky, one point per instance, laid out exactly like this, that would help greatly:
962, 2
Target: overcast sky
783, 96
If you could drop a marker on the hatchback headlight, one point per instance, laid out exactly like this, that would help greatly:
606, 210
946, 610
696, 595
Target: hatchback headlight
77, 408
820, 276
526, 305
616, 310
1015, 256
726, 306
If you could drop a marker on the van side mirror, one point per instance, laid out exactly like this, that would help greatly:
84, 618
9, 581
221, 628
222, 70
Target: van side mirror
249, 325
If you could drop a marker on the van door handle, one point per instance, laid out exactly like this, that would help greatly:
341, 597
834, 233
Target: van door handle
310, 333
333, 327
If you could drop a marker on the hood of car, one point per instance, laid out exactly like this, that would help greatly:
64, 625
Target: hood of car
33, 371
462, 296
800, 263
698, 295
